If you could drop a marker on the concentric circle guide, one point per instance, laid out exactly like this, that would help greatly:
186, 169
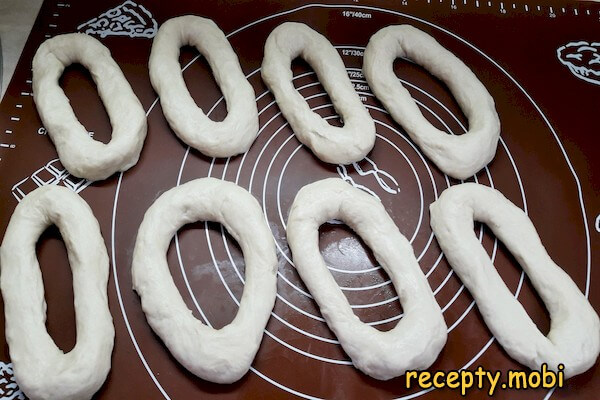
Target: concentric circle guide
382, 140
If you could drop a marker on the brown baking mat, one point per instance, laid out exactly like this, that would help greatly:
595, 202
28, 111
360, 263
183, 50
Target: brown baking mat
547, 163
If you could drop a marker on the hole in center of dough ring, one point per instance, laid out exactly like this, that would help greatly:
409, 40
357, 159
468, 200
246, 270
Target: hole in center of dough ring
417, 339
222, 355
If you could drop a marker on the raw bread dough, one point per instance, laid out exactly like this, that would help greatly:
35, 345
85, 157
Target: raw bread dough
458, 156
574, 337
222, 355
41, 369
236, 133
331, 144
81, 155
420, 335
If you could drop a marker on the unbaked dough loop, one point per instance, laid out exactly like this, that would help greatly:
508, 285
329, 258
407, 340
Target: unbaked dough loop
81, 155
417, 339
574, 337
236, 133
223, 355
459, 156
41, 369
329, 143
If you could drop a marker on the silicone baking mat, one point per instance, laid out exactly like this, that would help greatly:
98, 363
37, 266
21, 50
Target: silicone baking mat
547, 163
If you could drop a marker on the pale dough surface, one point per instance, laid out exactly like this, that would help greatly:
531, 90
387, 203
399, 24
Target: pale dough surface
329, 143
574, 337
81, 155
41, 369
416, 341
236, 133
222, 355
459, 156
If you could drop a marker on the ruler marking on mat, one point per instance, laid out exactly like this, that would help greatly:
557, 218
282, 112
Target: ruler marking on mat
29, 93
504, 7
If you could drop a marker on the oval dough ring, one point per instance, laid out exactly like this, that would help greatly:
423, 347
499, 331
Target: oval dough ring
329, 143
574, 337
222, 355
41, 369
81, 155
459, 156
236, 133
420, 335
